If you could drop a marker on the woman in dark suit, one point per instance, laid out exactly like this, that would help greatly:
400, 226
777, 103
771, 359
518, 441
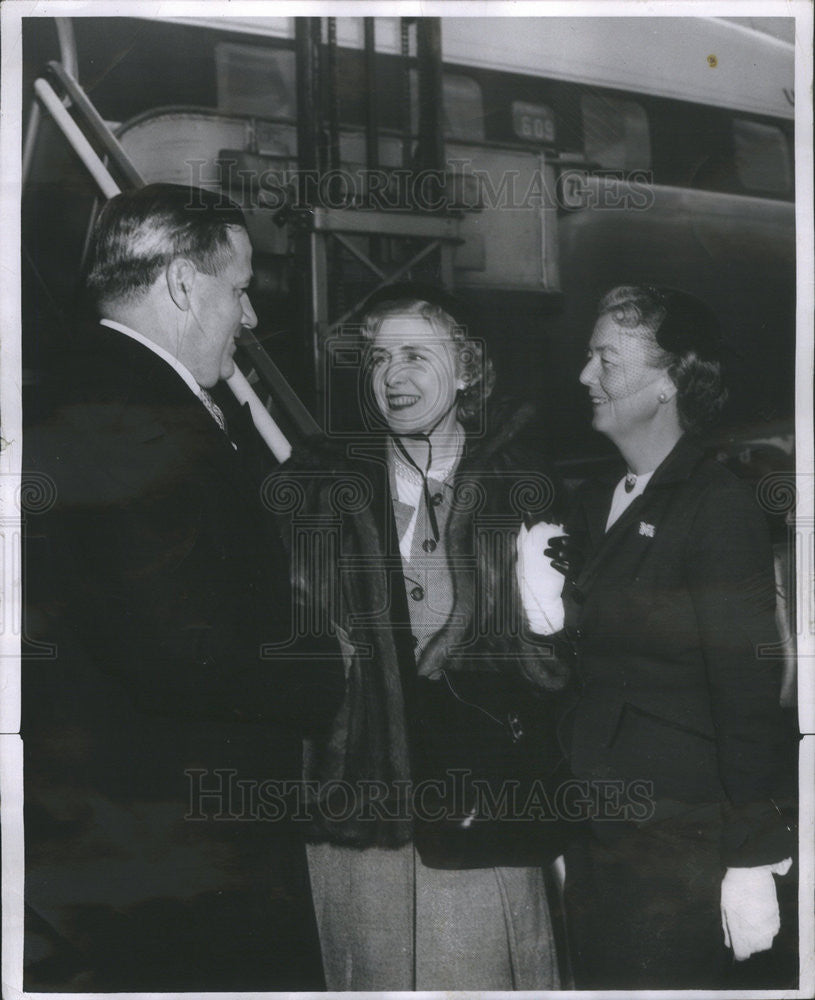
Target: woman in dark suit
677, 730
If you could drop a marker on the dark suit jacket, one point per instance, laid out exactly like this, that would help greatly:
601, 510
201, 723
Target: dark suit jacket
673, 617
158, 576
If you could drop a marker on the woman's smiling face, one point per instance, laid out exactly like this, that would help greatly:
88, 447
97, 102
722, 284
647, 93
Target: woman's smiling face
413, 374
623, 382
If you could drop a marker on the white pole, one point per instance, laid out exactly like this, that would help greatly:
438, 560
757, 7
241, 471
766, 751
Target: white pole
276, 440
78, 142
267, 428
30, 140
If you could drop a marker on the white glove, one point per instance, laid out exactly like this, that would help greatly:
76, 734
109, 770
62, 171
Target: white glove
540, 584
750, 917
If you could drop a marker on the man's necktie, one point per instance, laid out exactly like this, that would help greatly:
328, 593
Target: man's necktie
215, 411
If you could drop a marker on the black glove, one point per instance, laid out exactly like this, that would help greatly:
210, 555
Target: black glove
565, 555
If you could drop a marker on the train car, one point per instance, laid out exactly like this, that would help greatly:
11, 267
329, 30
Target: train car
529, 163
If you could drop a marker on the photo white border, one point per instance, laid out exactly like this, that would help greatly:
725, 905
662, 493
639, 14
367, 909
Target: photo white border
12, 13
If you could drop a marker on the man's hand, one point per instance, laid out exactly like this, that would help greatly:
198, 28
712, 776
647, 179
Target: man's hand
750, 917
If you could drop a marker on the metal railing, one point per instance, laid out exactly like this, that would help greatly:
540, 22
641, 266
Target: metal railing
76, 100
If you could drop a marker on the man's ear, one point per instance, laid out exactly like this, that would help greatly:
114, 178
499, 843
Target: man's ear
180, 279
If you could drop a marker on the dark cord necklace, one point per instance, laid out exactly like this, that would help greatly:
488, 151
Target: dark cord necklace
428, 502
430, 507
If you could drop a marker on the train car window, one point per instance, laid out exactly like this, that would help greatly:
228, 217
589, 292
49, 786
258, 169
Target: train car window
463, 108
615, 132
462, 104
254, 81
535, 122
691, 145
761, 157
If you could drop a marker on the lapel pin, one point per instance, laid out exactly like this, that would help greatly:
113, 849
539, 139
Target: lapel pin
646, 529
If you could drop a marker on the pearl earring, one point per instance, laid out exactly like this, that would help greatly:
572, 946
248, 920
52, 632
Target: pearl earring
662, 398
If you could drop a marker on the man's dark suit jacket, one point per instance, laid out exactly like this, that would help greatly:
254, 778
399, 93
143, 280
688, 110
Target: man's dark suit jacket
673, 618
157, 576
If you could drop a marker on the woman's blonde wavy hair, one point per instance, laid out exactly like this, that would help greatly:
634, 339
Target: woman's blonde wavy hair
472, 366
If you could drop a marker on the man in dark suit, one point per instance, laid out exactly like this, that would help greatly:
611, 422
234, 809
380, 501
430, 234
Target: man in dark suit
159, 851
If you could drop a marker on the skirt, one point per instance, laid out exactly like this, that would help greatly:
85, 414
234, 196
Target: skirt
387, 922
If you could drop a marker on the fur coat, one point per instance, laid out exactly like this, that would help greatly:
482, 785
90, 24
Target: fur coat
335, 505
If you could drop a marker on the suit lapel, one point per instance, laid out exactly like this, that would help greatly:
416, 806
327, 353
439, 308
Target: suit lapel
234, 464
371, 460
596, 507
676, 466
239, 450
610, 540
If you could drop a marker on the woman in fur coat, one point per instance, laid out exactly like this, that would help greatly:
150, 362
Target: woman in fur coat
405, 543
